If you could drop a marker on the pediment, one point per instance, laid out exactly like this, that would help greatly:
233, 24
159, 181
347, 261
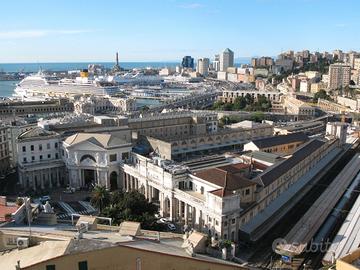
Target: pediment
86, 146
88, 162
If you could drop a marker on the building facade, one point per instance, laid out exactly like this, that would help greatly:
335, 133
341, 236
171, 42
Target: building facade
39, 159
4, 151
226, 59
339, 76
203, 66
94, 159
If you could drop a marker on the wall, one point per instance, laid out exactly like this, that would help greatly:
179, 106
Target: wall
126, 258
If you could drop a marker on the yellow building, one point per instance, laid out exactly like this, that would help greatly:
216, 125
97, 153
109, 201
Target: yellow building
350, 261
100, 249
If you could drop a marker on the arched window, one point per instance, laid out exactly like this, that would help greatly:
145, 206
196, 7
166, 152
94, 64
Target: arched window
87, 156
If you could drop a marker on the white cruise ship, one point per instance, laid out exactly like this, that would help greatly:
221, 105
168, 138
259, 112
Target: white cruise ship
40, 85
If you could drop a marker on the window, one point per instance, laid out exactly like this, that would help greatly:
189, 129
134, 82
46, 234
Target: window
56, 155
125, 156
32, 148
24, 159
83, 265
24, 148
50, 267
233, 221
49, 155
247, 191
32, 158
40, 147
48, 146
225, 223
138, 263
113, 157
40, 157
202, 190
56, 145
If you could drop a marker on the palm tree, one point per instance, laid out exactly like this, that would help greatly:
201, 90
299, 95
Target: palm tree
100, 197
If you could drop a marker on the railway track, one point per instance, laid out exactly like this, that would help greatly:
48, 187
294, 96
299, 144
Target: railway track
264, 257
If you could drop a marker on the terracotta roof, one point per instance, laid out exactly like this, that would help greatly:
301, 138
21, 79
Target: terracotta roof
280, 140
6, 209
277, 170
229, 178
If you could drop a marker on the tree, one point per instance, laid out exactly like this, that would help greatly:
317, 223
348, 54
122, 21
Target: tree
239, 103
100, 197
321, 94
131, 206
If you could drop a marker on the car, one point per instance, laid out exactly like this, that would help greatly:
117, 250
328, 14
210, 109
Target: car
45, 198
69, 190
171, 227
163, 220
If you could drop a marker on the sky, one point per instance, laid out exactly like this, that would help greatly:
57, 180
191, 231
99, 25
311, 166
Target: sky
166, 30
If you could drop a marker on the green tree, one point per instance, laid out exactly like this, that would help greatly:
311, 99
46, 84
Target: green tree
321, 94
239, 103
100, 197
131, 206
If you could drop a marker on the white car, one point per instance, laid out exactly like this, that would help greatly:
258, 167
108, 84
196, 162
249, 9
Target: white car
171, 227
163, 220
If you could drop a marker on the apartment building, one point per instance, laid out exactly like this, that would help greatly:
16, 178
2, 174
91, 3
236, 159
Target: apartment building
296, 106
4, 151
229, 96
339, 76
281, 144
39, 159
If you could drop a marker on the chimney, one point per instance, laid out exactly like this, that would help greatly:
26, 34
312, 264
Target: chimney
117, 58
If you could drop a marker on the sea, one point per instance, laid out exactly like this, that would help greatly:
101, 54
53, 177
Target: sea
7, 87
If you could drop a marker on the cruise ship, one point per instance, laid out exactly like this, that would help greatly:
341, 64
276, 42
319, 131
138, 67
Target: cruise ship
41, 85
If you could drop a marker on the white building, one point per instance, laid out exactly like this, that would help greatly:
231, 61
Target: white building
336, 130
39, 161
203, 66
95, 159
226, 59
93, 104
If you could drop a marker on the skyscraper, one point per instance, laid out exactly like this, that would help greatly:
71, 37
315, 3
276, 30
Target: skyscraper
203, 66
339, 75
187, 62
226, 59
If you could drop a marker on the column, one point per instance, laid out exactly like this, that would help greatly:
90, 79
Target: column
33, 180
180, 211
186, 213
107, 186
161, 200
193, 216
57, 177
49, 177
171, 210
42, 179
200, 221
21, 179
150, 193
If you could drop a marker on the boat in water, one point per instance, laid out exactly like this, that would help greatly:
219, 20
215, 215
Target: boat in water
41, 86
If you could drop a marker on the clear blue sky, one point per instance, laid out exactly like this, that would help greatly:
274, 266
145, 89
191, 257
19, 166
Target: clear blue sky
165, 30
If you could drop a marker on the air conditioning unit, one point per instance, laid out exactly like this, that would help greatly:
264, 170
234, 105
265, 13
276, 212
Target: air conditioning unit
84, 226
22, 242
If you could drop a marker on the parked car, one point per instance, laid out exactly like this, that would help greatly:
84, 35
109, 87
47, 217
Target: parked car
171, 227
45, 198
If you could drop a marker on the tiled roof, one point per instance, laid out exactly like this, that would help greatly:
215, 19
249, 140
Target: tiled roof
229, 178
274, 172
6, 209
279, 140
